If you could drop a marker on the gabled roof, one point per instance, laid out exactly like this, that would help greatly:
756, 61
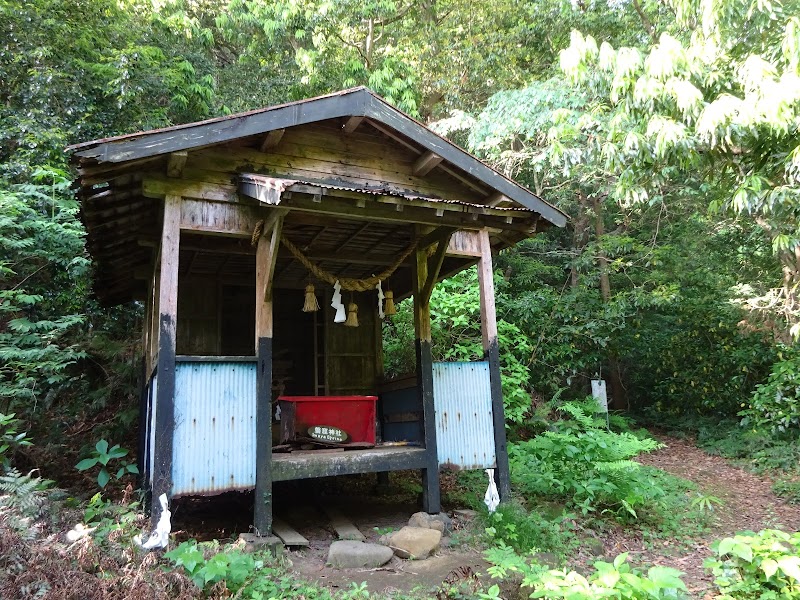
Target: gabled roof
356, 102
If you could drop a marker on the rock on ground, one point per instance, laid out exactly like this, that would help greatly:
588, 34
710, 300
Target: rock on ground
413, 542
349, 554
440, 522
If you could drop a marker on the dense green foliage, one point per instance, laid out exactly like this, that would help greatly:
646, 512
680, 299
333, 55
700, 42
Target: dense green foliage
579, 460
667, 131
757, 565
775, 405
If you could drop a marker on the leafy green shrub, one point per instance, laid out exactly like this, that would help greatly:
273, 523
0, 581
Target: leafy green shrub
608, 580
102, 455
788, 490
234, 567
248, 576
524, 531
586, 464
763, 565
775, 405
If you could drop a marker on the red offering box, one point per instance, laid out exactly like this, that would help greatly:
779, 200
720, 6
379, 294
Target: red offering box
355, 415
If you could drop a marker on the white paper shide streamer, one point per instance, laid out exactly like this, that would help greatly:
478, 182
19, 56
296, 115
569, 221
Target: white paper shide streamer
491, 498
336, 303
159, 537
380, 300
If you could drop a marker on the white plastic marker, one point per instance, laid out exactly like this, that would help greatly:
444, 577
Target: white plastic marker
159, 537
336, 302
491, 498
380, 300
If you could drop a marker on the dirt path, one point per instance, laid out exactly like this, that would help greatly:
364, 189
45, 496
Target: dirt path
748, 504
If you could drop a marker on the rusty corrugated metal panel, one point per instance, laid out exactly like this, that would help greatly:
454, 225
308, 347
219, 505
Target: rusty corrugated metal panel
214, 445
463, 399
271, 188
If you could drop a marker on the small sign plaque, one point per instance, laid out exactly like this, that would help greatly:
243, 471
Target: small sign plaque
326, 433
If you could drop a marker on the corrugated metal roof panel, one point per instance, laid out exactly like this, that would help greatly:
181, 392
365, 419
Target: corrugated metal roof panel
464, 427
273, 187
214, 446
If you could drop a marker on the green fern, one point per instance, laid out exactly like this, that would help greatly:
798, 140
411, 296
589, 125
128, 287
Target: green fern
23, 495
579, 414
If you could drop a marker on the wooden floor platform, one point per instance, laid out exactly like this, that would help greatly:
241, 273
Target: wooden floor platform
286, 467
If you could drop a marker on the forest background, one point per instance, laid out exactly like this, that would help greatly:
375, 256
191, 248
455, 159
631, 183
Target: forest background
667, 130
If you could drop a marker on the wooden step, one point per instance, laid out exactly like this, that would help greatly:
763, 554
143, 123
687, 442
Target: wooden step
345, 529
288, 535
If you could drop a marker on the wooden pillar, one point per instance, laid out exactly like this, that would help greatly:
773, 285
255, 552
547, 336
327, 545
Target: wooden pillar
492, 355
424, 278
167, 319
266, 254
144, 391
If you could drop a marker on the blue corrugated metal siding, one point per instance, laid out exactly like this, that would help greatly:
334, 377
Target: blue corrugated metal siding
214, 445
463, 399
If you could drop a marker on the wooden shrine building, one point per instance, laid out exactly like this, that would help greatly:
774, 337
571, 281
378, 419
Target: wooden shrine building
220, 226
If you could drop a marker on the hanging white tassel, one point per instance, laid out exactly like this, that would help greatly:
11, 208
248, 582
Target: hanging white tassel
491, 498
336, 303
380, 300
159, 537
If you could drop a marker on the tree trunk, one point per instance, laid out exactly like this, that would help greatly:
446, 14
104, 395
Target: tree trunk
618, 396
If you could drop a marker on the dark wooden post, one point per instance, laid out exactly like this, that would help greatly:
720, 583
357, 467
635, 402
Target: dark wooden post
167, 318
424, 278
492, 355
266, 254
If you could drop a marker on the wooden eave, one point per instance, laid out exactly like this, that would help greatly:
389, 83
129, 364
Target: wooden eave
357, 102
357, 197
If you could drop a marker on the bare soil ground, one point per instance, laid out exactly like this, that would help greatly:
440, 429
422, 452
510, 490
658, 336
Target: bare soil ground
456, 558
748, 504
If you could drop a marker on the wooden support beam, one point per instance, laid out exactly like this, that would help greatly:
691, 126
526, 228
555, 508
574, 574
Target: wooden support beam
431, 494
465, 243
496, 199
176, 163
435, 236
426, 163
220, 218
266, 255
357, 258
272, 139
167, 318
352, 124
492, 355
360, 230
434, 266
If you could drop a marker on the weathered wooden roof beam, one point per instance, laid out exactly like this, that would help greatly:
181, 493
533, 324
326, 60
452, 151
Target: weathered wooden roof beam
426, 163
352, 124
272, 139
176, 163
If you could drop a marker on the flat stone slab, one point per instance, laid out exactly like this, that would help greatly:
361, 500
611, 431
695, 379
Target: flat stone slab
413, 542
254, 543
351, 554
440, 522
